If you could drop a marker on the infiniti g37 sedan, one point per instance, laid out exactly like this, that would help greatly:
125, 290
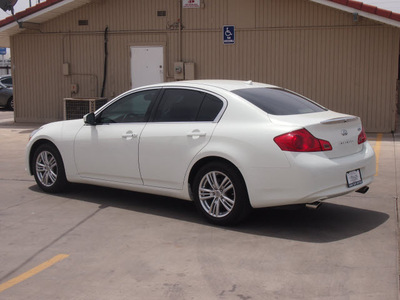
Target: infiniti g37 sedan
227, 145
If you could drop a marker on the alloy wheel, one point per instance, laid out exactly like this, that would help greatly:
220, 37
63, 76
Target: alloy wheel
217, 194
46, 168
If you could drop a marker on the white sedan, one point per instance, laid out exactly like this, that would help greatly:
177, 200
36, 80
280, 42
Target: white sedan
227, 145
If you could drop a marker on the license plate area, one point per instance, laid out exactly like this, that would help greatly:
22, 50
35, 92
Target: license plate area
353, 178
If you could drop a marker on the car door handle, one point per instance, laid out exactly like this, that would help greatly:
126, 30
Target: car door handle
196, 133
129, 135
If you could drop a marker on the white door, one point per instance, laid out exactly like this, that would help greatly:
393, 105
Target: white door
182, 126
147, 65
108, 151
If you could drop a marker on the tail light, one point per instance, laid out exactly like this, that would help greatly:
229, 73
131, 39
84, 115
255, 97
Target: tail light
362, 137
301, 141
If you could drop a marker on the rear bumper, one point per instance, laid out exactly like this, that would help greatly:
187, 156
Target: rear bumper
310, 177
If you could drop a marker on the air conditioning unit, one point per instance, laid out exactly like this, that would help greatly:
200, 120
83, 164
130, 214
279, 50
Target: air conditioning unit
76, 108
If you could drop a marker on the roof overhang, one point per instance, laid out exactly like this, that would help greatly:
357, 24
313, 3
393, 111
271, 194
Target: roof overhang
35, 15
364, 10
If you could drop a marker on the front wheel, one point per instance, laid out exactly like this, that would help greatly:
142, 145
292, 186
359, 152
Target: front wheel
220, 194
48, 169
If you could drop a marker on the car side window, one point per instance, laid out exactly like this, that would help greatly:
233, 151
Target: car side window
134, 107
181, 105
210, 108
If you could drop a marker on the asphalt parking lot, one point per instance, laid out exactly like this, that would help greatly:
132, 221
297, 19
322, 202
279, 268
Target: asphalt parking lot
98, 243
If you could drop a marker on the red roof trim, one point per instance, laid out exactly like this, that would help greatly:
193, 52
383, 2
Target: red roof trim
355, 4
383, 13
369, 9
395, 16
29, 11
343, 2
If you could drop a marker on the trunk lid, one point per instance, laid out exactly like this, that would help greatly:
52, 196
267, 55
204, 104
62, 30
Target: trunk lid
341, 130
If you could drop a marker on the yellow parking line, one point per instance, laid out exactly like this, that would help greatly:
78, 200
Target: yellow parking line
377, 149
32, 272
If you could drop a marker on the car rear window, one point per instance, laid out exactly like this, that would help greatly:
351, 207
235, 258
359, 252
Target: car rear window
278, 101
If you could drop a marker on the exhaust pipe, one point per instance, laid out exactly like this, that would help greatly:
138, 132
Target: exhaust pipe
363, 190
315, 205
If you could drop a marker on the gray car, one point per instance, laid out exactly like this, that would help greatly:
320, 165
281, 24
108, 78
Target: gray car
6, 97
6, 80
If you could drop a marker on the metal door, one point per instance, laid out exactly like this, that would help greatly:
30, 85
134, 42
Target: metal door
147, 65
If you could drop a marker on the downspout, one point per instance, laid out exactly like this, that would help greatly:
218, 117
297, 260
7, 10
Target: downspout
180, 32
105, 61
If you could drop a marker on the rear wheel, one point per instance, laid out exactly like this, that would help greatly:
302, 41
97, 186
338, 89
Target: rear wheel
48, 169
220, 194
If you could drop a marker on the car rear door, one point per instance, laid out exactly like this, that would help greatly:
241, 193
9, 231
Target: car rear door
182, 125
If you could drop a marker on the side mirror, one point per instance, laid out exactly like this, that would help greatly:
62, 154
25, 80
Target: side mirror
89, 119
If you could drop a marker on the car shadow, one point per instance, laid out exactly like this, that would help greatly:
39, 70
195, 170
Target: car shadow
331, 222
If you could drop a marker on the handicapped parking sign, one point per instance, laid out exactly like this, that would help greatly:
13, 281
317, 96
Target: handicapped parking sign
229, 34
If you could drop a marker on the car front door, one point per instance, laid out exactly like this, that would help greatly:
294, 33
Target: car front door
182, 126
108, 151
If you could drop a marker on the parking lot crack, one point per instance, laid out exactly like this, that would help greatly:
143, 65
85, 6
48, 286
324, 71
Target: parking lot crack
16, 179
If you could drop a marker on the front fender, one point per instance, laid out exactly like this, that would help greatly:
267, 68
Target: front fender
61, 135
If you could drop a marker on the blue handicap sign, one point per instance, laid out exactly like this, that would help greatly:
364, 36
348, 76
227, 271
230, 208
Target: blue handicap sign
3, 51
229, 34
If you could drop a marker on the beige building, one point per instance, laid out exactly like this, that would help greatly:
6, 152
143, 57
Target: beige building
339, 53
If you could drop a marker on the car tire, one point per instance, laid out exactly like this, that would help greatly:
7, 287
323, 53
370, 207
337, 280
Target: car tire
220, 194
48, 169
10, 104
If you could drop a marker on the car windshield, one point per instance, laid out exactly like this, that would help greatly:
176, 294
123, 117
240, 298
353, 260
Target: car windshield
7, 81
278, 101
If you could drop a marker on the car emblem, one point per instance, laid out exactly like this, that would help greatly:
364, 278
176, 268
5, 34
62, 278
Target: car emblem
344, 132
